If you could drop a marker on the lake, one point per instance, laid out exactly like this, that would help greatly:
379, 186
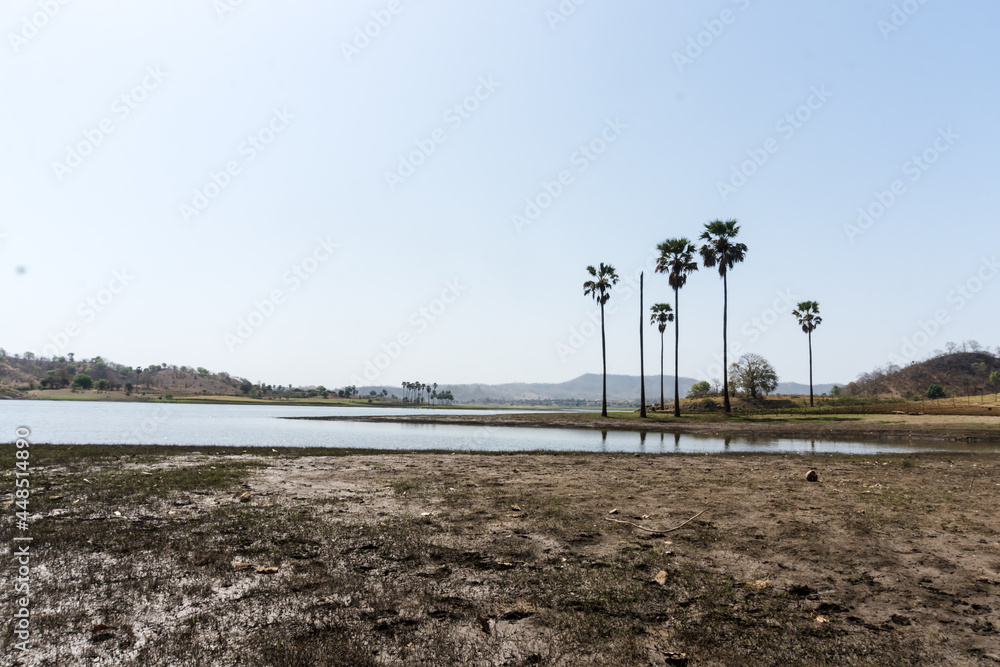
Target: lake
95, 423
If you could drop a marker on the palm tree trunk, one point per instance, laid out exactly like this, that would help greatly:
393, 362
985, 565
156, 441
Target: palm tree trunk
810, 369
642, 358
661, 370
725, 346
677, 338
604, 362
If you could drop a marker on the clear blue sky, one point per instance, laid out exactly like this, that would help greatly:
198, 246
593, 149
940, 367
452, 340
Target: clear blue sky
114, 114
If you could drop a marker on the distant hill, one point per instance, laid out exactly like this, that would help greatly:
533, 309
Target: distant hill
959, 373
29, 372
621, 388
19, 373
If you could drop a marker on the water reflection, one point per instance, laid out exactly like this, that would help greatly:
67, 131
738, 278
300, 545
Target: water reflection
261, 426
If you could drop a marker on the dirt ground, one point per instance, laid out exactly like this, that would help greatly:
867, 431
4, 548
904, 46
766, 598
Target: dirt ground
900, 425
161, 556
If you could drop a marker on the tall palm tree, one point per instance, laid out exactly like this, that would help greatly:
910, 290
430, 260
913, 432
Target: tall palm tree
600, 288
661, 314
721, 250
677, 259
807, 313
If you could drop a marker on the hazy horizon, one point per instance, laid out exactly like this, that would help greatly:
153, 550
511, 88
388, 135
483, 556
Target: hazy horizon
273, 192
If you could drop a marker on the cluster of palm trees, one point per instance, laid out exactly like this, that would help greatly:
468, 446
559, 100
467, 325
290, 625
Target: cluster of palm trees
719, 250
418, 392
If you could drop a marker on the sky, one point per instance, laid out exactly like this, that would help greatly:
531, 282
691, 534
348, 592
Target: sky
372, 192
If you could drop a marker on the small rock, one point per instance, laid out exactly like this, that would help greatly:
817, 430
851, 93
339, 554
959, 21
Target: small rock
264, 569
614, 511
811, 476
240, 566
101, 627
661, 577
245, 497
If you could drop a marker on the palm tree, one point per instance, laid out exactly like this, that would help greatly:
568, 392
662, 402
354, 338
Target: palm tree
721, 250
807, 313
661, 314
600, 289
677, 259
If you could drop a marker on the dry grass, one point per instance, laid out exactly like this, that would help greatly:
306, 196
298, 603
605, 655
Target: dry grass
457, 559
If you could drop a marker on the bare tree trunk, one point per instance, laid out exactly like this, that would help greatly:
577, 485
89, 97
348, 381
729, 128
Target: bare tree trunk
662, 406
604, 361
642, 357
677, 343
811, 369
725, 347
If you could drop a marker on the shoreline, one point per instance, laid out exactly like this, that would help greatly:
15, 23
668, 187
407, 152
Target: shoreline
805, 426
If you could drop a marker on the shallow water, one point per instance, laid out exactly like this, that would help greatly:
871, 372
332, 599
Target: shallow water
64, 422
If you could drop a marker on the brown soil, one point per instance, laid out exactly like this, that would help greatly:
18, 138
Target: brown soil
441, 559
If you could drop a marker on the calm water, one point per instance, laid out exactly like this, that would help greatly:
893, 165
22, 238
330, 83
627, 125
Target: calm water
261, 426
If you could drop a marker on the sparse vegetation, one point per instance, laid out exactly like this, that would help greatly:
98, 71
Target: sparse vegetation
212, 556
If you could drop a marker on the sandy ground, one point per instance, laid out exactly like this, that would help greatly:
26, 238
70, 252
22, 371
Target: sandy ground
573, 559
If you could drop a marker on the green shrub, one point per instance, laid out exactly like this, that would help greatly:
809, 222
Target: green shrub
935, 391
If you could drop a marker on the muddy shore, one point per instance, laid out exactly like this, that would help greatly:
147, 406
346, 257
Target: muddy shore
819, 426
327, 557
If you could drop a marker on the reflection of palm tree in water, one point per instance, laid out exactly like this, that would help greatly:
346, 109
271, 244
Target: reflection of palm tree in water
604, 441
677, 442
727, 443
642, 441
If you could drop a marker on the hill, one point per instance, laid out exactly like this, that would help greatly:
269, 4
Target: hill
621, 389
19, 373
959, 373
22, 373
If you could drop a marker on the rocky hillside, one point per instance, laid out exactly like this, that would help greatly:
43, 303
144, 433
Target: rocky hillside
22, 373
959, 373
